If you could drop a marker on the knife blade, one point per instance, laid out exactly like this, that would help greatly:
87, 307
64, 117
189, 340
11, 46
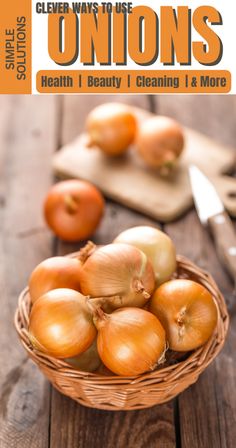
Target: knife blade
211, 212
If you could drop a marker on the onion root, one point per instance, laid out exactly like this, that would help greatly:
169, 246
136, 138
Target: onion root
86, 251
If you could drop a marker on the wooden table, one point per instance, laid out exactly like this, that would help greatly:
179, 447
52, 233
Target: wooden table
32, 414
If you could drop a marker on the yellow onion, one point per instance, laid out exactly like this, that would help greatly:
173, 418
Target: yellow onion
130, 341
118, 273
160, 142
73, 209
187, 311
54, 273
111, 127
156, 245
88, 361
61, 323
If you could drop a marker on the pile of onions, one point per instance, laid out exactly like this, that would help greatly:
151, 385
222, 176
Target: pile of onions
187, 311
61, 323
90, 312
130, 341
111, 127
54, 273
156, 245
73, 209
121, 275
160, 142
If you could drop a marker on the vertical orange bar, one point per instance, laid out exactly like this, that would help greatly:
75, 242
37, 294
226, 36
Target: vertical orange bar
15, 46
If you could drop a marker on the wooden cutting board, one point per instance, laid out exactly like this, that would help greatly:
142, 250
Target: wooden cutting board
127, 179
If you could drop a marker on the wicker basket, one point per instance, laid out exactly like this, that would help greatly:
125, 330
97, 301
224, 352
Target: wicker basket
128, 393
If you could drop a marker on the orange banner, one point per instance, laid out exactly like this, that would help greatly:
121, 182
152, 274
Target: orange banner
15, 46
134, 81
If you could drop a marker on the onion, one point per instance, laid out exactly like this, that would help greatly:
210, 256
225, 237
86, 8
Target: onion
73, 209
118, 273
88, 361
130, 341
111, 127
61, 323
156, 245
187, 311
53, 273
160, 141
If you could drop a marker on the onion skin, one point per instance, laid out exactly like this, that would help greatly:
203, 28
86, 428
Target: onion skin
61, 324
111, 127
160, 142
88, 361
73, 209
130, 341
118, 273
54, 273
187, 311
157, 246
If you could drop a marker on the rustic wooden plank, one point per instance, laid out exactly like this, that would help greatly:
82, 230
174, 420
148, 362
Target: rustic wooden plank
81, 427
27, 140
214, 115
73, 425
207, 410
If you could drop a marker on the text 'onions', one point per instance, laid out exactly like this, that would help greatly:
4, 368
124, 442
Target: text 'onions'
61, 323
187, 311
156, 245
54, 273
130, 341
111, 127
118, 273
160, 142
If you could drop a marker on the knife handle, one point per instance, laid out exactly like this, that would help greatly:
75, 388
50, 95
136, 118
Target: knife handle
225, 239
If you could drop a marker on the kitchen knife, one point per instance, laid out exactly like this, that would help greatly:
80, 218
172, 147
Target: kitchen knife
211, 211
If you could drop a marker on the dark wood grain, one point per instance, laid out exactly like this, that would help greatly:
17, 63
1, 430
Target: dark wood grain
27, 139
207, 410
80, 427
73, 425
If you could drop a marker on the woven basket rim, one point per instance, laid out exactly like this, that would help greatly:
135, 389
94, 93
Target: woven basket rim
201, 356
